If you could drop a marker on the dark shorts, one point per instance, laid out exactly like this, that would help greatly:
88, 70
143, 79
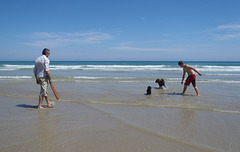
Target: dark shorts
191, 79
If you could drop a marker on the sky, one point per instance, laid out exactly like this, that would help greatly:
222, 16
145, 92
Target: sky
120, 30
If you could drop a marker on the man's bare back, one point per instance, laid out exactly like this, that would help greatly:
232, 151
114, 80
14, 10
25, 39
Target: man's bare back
188, 69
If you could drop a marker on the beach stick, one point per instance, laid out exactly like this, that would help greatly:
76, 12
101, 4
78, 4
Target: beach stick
54, 91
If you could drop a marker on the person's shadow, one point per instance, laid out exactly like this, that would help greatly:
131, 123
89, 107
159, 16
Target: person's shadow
174, 93
32, 106
27, 106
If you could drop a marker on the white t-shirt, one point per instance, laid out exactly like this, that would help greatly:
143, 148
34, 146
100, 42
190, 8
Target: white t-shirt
41, 66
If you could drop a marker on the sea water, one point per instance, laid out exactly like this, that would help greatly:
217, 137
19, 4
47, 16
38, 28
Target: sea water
125, 82
97, 96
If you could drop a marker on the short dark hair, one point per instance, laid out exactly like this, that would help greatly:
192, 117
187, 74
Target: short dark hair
180, 63
45, 51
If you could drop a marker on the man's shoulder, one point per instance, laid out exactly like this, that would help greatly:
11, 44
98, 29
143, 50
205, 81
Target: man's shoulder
42, 59
38, 59
187, 66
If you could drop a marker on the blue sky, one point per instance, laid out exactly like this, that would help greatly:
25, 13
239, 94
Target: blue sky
103, 30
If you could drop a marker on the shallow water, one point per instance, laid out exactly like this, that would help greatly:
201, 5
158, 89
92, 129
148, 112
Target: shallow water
105, 101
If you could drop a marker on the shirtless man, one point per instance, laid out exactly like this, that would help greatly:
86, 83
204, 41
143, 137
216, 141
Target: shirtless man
191, 76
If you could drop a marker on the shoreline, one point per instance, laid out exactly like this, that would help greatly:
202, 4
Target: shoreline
95, 127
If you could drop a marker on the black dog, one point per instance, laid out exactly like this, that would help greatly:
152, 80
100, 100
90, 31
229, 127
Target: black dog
149, 92
161, 83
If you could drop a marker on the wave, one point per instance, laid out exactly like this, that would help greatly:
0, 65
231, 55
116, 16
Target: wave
204, 68
16, 77
223, 74
95, 78
205, 80
220, 68
145, 80
95, 67
7, 67
117, 79
112, 67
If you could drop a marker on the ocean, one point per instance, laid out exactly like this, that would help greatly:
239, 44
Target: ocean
123, 71
106, 99
218, 84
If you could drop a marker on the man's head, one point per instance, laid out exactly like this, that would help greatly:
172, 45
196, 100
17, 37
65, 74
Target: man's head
180, 63
46, 52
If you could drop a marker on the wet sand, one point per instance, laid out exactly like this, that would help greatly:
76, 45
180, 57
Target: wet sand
82, 126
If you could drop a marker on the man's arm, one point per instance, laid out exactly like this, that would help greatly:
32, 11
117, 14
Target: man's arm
49, 76
183, 76
195, 70
46, 62
36, 78
35, 74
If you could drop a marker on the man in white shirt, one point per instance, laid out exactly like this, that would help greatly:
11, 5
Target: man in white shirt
42, 75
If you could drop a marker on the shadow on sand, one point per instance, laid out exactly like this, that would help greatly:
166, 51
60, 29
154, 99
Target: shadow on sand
27, 106
33, 106
175, 93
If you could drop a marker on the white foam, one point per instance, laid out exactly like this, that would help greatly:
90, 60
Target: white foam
85, 77
204, 80
226, 111
220, 68
116, 78
135, 80
16, 77
205, 68
7, 67
224, 74
142, 68
220, 81
108, 67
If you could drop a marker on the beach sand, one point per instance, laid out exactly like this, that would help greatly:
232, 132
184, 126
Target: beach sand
75, 124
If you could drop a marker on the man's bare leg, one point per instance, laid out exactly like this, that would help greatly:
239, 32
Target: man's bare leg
184, 89
196, 89
40, 102
48, 102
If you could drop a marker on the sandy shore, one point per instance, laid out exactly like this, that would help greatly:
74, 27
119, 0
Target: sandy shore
81, 126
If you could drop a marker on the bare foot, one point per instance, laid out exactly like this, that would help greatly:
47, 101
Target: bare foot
51, 104
40, 107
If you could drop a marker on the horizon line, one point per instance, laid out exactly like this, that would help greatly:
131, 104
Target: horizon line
122, 60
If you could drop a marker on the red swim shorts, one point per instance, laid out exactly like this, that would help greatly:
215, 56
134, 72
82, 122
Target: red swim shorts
191, 79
